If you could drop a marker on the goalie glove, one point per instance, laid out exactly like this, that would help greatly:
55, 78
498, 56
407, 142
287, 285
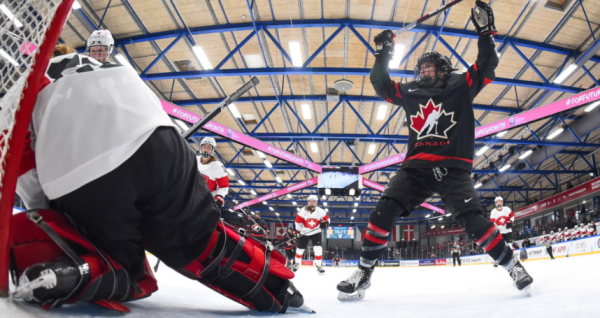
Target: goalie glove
483, 18
384, 44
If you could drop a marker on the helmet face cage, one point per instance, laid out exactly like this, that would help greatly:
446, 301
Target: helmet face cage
100, 45
208, 141
441, 62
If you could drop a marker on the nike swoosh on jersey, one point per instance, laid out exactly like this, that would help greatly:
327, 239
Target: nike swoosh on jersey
467, 200
412, 90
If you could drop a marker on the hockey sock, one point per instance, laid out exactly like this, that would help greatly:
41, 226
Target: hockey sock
318, 255
485, 234
299, 253
378, 230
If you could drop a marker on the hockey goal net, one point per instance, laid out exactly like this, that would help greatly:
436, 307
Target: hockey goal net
29, 31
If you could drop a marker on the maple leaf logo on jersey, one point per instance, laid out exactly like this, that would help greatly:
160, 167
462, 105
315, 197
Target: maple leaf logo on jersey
432, 121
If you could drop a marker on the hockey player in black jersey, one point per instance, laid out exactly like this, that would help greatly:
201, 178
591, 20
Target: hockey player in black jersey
439, 106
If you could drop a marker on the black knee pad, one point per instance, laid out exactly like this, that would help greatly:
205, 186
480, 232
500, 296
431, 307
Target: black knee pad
485, 234
390, 209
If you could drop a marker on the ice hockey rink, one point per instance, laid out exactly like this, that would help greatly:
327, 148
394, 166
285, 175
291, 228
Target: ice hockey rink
565, 287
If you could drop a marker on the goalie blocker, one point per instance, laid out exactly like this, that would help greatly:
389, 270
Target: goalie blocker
57, 265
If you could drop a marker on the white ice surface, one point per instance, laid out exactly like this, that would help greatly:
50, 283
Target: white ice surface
566, 287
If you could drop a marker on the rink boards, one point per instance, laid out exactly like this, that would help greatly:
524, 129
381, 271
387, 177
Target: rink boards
584, 246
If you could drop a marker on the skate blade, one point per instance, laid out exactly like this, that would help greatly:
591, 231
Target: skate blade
529, 290
304, 309
358, 295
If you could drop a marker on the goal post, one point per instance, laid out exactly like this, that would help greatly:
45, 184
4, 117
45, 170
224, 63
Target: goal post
27, 42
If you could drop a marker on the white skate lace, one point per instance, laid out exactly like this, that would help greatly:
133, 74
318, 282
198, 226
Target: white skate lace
356, 277
437, 173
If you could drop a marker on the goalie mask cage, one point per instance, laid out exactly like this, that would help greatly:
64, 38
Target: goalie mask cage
29, 30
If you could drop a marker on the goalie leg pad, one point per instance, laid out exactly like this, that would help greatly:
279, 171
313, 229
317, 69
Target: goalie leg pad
51, 242
244, 270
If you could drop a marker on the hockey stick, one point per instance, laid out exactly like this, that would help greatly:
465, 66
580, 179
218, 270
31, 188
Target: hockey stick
426, 17
299, 236
226, 102
156, 266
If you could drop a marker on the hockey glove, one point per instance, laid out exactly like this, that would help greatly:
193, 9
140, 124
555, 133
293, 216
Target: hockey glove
384, 44
483, 18
508, 225
324, 224
220, 201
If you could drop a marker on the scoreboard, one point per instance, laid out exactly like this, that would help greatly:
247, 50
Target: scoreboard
340, 232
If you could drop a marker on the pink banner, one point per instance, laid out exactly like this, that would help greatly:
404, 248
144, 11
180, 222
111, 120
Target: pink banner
278, 193
538, 113
452, 231
389, 161
379, 187
556, 200
239, 137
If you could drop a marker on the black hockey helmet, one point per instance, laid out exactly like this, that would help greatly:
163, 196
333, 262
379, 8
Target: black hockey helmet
442, 64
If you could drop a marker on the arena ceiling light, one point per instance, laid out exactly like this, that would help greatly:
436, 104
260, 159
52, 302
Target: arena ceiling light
398, 53
276, 213
289, 196
352, 191
296, 53
199, 52
260, 154
313, 147
268, 164
271, 208
306, 111
506, 166
382, 111
352, 218
501, 134
355, 204
526, 154
449, 215
9, 58
433, 226
241, 182
278, 179
121, 59
353, 210
428, 215
234, 110
326, 210
10, 16
565, 73
555, 133
231, 173
294, 203
372, 148
253, 192
328, 191
324, 203
443, 226
482, 151
478, 184
592, 106
76, 5
264, 202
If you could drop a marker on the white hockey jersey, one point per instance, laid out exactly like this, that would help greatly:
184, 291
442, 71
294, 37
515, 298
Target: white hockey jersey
86, 123
552, 238
575, 233
567, 235
216, 177
501, 218
560, 236
591, 230
307, 221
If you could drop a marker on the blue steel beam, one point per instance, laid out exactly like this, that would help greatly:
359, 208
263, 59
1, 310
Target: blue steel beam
400, 139
322, 47
335, 71
321, 98
235, 50
394, 168
328, 23
162, 54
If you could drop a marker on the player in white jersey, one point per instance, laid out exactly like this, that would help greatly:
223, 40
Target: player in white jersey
552, 237
503, 219
560, 236
575, 232
213, 170
582, 230
309, 222
100, 45
567, 234
591, 229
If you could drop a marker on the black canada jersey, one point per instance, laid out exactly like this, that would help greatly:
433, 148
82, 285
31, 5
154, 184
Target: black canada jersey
440, 120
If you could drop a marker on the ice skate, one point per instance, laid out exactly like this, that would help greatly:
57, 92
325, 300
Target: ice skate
521, 278
320, 270
44, 282
354, 287
294, 267
296, 300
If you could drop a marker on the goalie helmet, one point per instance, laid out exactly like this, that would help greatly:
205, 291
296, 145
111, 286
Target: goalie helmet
208, 141
312, 197
442, 64
100, 45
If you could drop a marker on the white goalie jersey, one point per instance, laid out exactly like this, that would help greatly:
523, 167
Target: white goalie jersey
307, 221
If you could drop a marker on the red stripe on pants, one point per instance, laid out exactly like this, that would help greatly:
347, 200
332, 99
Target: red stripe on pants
497, 239
486, 235
374, 239
377, 229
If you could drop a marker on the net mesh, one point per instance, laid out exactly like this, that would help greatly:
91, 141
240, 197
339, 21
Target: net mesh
23, 25
29, 30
